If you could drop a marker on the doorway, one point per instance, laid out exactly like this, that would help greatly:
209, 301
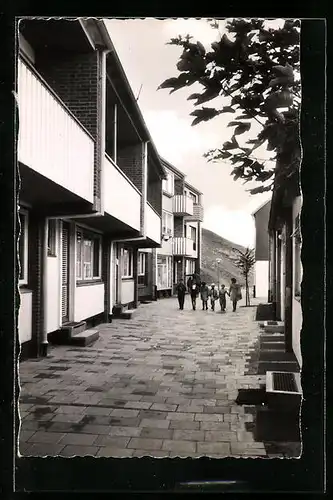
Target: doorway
65, 273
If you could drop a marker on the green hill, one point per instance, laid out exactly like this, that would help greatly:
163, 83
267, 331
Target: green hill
215, 247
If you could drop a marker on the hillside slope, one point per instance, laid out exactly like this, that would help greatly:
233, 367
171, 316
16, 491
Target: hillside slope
215, 247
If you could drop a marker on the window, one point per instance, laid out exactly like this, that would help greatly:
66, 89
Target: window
164, 272
142, 268
167, 223
167, 184
23, 247
190, 267
141, 264
52, 238
88, 256
194, 236
192, 196
127, 263
297, 257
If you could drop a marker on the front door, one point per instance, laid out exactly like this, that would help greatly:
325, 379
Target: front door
65, 273
115, 295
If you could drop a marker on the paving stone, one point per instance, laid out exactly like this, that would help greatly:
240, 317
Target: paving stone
24, 435
97, 410
179, 446
65, 417
145, 443
147, 432
43, 450
150, 453
70, 409
188, 435
124, 422
209, 417
80, 451
216, 409
79, 439
155, 423
215, 448
221, 435
124, 413
138, 405
164, 407
95, 429
153, 414
214, 426
180, 416
112, 441
190, 409
110, 451
125, 431
46, 437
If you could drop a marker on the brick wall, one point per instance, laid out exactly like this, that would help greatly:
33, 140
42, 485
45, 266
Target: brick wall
130, 161
154, 195
178, 227
74, 78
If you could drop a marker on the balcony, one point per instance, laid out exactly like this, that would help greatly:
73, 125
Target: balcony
184, 247
153, 224
198, 213
51, 141
182, 205
122, 199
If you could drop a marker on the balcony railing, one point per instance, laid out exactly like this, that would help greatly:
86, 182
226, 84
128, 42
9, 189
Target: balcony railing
51, 141
121, 198
185, 247
198, 213
182, 205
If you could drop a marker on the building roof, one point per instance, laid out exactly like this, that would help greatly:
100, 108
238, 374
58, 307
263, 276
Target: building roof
172, 167
192, 188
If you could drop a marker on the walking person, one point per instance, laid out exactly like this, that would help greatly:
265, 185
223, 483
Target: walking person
194, 294
222, 297
181, 290
204, 293
235, 293
213, 296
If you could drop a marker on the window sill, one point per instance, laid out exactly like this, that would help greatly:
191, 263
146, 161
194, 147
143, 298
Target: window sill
166, 193
52, 255
127, 278
97, 281
24, 289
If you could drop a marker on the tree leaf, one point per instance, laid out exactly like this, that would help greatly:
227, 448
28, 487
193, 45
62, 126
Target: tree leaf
242, 127
233, 124
228, 109
168, 83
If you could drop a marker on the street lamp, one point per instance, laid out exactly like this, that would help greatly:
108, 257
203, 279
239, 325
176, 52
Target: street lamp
218, 271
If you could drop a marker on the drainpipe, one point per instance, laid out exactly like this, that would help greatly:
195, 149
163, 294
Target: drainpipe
44, 342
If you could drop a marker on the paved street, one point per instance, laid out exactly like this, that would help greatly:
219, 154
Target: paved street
162, 384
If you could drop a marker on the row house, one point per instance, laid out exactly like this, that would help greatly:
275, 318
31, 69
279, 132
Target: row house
90, 180
180, 253
285, 266
261, 267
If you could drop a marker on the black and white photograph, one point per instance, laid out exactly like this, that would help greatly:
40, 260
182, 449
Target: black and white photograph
159, 237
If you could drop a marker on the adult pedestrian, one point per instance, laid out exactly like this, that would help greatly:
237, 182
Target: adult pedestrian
235, 293
181, 290
222, 297
204, 293
213, 296
194, 293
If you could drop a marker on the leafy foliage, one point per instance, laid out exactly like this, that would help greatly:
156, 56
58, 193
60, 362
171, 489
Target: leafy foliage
255, 73
245, 262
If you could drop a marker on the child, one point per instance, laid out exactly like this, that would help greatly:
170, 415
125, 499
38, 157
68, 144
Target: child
222, 296
235, 293
194, 293
181, 289
204, 295
213, 296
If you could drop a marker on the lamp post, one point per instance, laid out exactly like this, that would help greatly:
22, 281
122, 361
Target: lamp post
218, 271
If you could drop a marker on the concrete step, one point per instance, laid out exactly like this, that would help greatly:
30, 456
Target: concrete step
277, 366
274, 337
127, 314
85, 338
269, 345
276, 355
273, 326
65, 333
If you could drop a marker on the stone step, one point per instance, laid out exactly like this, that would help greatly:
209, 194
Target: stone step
273, 326
66, 332
275, 355
85, 338
127, 314
277, 366
269, 345
274, 337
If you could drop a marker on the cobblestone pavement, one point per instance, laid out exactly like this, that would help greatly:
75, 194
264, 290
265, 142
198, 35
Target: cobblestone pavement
162, 384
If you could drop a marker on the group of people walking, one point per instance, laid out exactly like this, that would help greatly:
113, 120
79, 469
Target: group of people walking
196, 287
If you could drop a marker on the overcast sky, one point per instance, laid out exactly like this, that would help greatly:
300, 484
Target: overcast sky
148, 61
